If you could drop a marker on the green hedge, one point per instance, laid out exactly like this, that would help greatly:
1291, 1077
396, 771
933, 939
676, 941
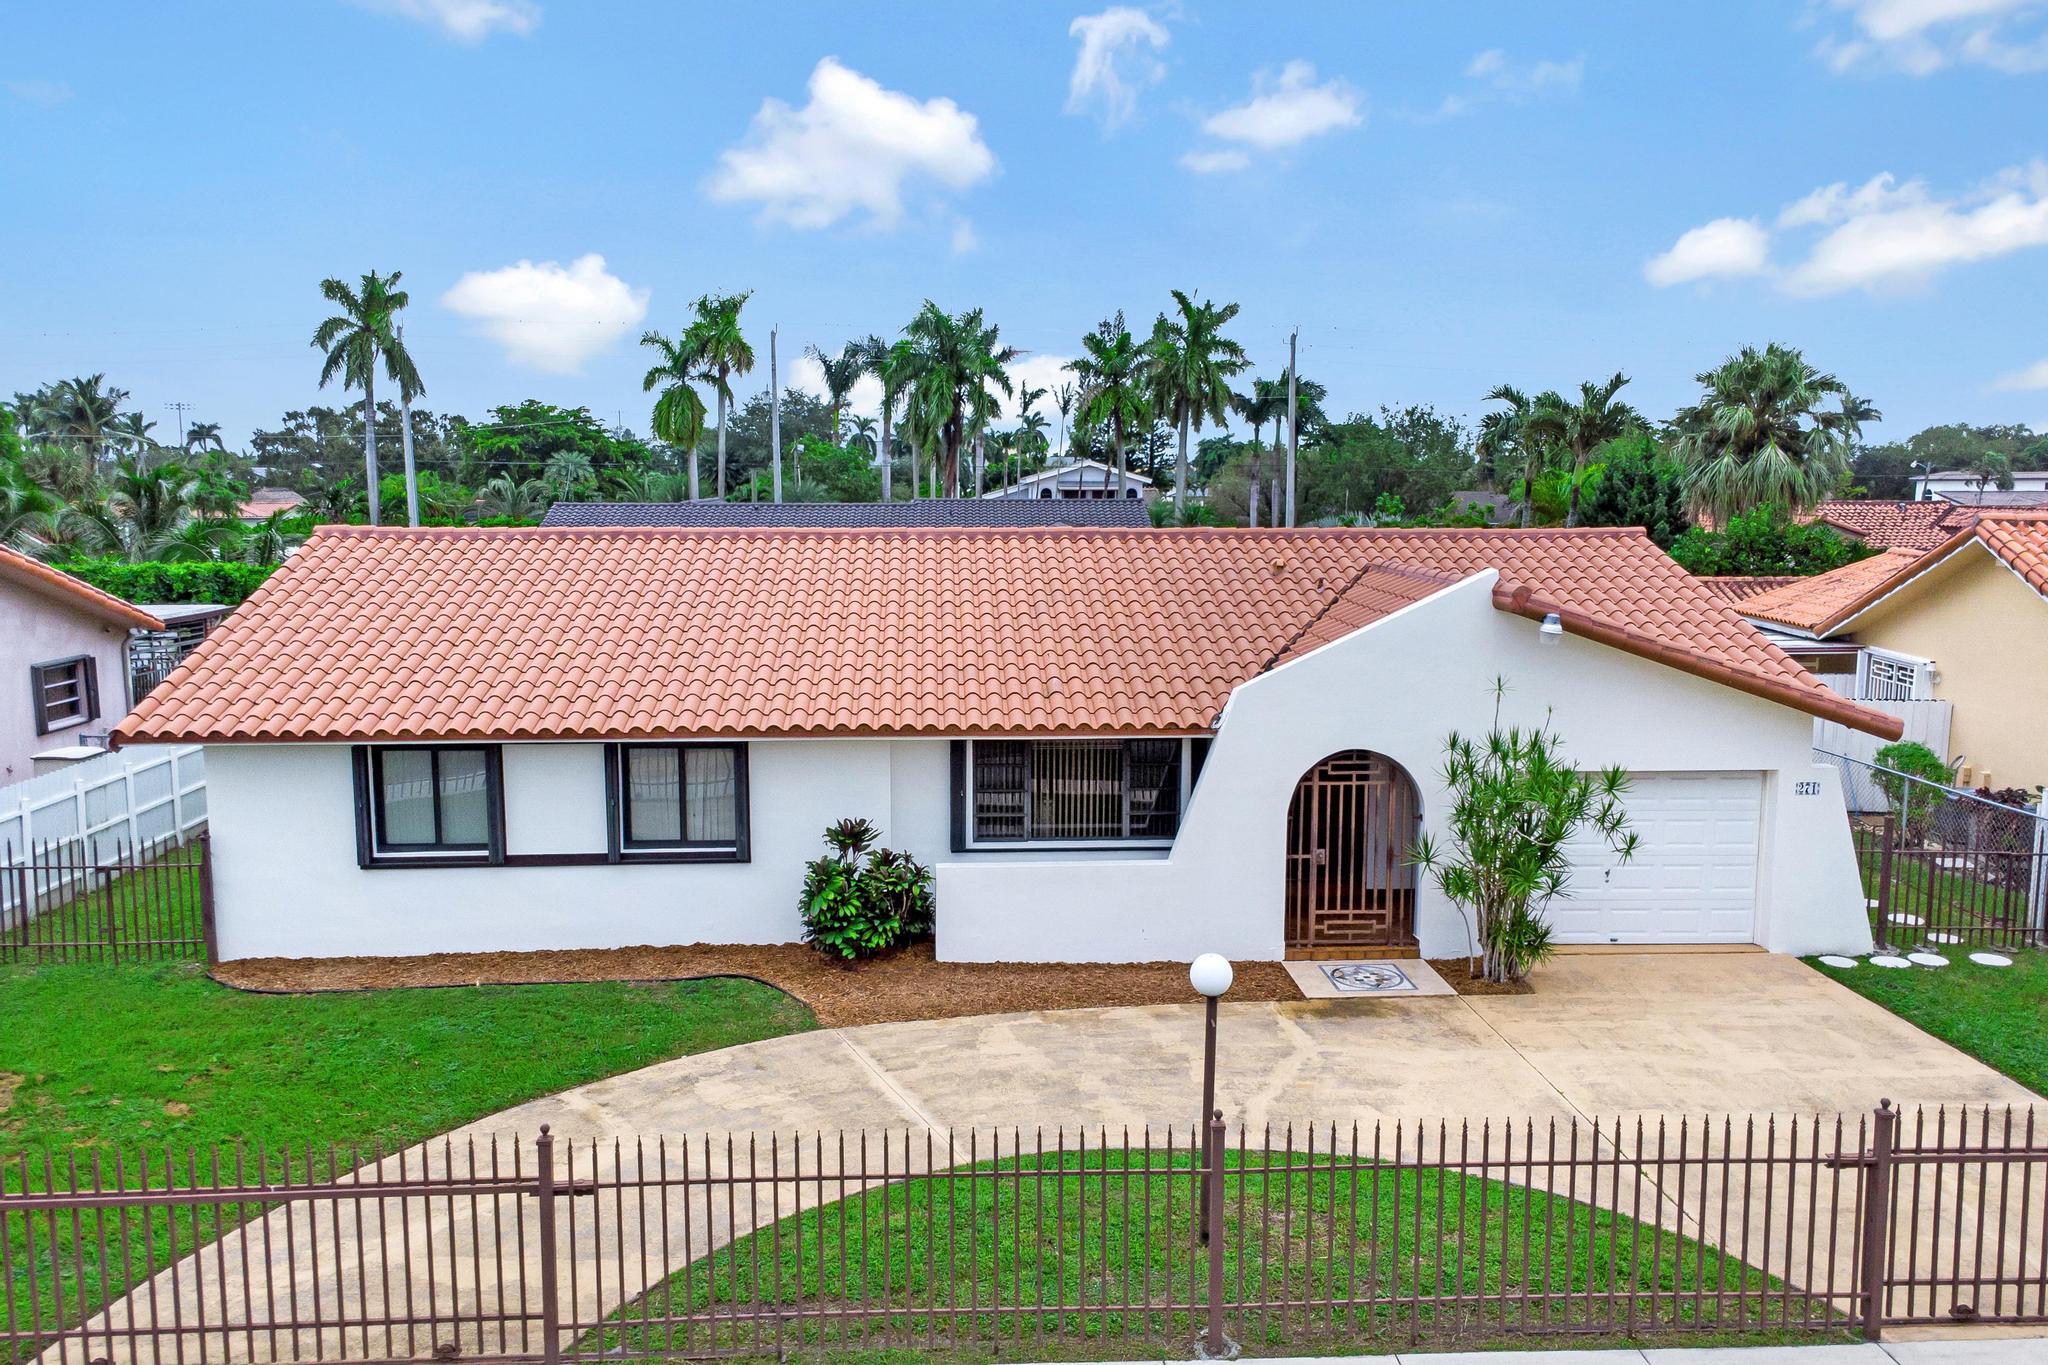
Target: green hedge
223, 581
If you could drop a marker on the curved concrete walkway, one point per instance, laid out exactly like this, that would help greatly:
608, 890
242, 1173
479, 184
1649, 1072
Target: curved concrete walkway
1608, 1037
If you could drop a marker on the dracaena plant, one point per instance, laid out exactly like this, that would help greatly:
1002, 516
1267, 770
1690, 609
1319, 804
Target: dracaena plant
1515, 806
858, 905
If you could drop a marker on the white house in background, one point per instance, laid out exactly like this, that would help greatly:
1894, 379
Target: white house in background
1960, 485
1077, 479
63, 664
1112, 745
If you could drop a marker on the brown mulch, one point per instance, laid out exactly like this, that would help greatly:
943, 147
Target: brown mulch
905, 985
1457, 972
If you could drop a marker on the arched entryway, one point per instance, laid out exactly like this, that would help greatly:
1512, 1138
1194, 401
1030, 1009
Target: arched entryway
1350, 887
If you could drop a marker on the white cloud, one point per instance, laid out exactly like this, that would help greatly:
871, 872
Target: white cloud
466, 21
2034, 376
549, 316
965, 238
1215, 162
1287, 108
1883, 235
1117, 59
852, 148
1497, 79
1919, 37
43, 94
1723, 249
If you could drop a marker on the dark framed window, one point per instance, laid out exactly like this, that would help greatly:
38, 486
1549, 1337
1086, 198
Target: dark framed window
678, 802
428, 804
66, 693
1071, 791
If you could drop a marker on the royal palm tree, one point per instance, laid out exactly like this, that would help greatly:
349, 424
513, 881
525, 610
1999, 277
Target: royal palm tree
960, 365
1579, 428
1111, 372
1504, 440
722, 352
861, 432
1030, 440
1265, 402
1063, 398
841, 373
1763, 431
894, 367
1188, 363
679, 412
355, 341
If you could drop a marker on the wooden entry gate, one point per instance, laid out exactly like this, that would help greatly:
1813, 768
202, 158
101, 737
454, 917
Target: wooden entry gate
1349, 829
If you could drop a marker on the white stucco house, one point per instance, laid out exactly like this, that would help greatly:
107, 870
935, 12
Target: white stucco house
1077, 478
1112, 745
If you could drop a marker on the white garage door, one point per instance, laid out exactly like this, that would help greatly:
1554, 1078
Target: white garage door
1693, 879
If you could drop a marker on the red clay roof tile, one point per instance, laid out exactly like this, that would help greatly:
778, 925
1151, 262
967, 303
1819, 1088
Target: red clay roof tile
40, 578
396, 634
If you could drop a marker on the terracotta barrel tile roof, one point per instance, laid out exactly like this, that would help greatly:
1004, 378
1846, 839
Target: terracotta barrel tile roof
395, 634
2022, 542
1811, 603
40, 578
1905, 525
1742, 587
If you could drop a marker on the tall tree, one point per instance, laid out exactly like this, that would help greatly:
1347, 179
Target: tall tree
83, 413
894, 366
840, 373
200, 435
723, 352
1768, 428
961, 364
1064, 397
354, 342
1189, 362
1506, 443
1579, 428
1265, 401
1111, 371
678, 417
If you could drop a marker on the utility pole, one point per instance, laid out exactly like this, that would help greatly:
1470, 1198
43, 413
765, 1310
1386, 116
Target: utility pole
1293, 427
774, 415
181, 409
412, 478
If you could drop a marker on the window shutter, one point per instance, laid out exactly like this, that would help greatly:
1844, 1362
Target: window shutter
35, 684
92, 688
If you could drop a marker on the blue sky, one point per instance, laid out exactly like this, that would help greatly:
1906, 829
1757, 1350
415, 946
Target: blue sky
1440, 197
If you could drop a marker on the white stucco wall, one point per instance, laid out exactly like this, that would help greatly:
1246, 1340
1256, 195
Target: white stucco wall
35, 629
1398, 687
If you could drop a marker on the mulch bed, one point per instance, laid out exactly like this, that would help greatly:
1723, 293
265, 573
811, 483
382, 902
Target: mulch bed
1457, 973
906, 985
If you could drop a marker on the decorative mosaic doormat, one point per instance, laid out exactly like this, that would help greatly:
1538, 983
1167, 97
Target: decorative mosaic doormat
1355, 980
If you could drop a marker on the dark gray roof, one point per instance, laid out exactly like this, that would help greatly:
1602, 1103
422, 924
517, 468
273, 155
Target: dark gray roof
1126, 512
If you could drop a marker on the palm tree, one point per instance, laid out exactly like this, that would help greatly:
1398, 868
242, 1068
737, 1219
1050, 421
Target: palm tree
841, 375
1581, 428
567, 473
861, 432
28, 512
354, 341
1063, 398
1189, 361
1267, 402
84, 413
895, 368
679, 413
960, 365
267, 542
1030, 439
1761, 433
1504, 438
502, 498
1112, 376
722, 352
200, 435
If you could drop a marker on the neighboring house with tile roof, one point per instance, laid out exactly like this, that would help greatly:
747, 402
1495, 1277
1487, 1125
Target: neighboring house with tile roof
1112, 744
1963, 486
1077, 479
1894, 525
712, 514
63, 661
264, 501
1963, 625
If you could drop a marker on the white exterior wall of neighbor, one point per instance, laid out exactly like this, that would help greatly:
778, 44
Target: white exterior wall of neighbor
39, 630
287, 883
1397, 687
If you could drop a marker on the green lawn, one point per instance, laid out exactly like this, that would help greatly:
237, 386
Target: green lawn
1999, 1016
1081, 1244
103, 1062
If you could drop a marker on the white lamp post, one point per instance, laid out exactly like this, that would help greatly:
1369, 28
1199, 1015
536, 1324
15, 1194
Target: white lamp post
1210, 975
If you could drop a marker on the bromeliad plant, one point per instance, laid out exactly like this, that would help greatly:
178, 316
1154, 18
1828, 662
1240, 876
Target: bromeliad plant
856, 905
1515, 805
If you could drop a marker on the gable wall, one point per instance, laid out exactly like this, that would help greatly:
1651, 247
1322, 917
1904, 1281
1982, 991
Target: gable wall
36, 629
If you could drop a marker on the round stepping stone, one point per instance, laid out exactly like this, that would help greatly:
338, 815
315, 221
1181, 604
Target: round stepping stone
1872, 903
1991, 959
1901, 917
1944, 938
1927, 959
1888, 960
1837, 960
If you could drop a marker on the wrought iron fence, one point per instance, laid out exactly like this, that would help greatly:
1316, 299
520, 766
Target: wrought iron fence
64, 902
1946, 867
1026, 1242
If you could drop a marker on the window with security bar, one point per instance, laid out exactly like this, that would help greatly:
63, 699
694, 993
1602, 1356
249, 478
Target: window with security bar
1889, 679
1077, 790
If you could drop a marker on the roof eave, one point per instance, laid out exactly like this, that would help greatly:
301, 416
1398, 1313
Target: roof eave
1522, 602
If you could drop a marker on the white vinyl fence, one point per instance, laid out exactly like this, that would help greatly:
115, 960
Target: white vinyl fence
139, 797
1926, 723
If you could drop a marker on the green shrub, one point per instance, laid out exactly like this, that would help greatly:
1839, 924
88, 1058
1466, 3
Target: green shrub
856, 905
1766, 542
1914, 804
222, 581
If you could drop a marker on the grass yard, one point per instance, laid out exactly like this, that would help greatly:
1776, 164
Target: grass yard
1999, 1016
116, 1058
1090, 1247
